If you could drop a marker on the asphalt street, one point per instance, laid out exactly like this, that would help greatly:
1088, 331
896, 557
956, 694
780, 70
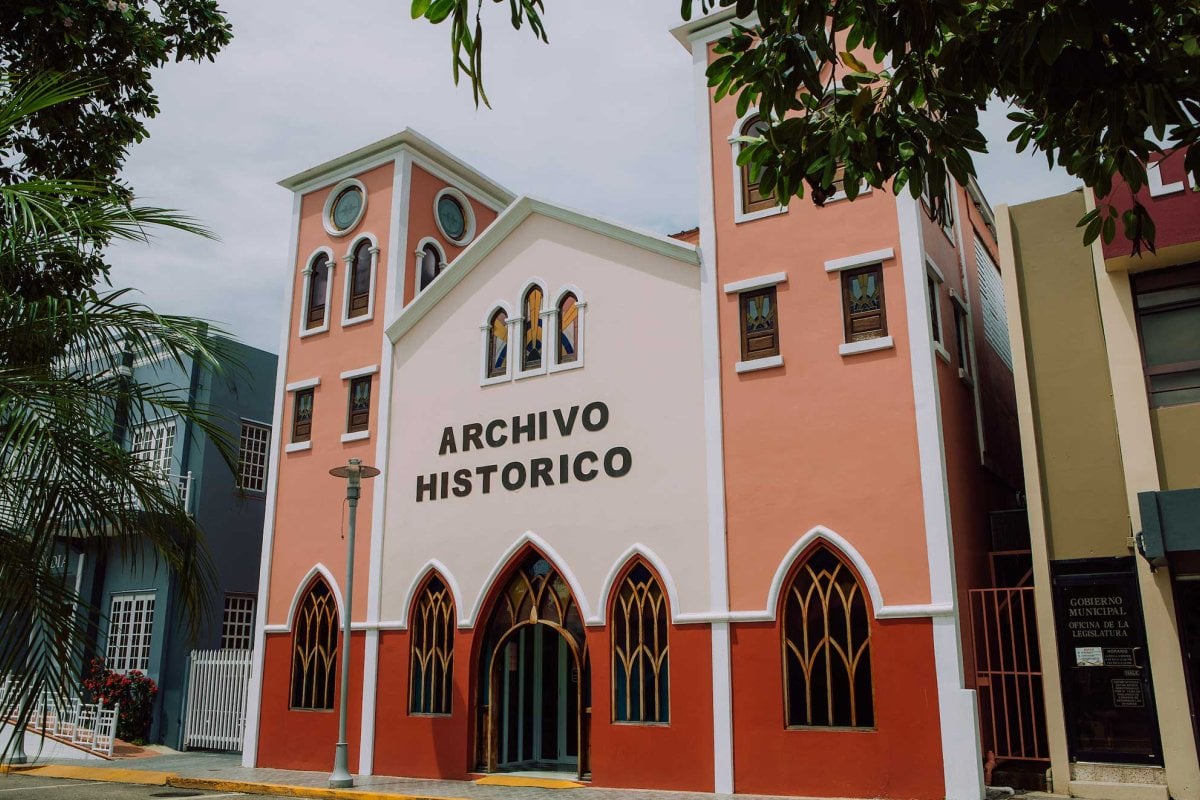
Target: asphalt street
32, 787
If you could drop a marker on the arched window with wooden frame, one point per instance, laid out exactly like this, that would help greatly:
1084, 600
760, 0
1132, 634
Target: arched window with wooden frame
358, 302
640, 649
431, 662
531, 308
314, 649
317, 293
752, 198
826, 626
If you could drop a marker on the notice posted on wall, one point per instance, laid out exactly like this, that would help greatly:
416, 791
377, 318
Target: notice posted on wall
1127, 693
1089, 656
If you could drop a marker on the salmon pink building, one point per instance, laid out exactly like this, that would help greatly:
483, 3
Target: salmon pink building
695, 513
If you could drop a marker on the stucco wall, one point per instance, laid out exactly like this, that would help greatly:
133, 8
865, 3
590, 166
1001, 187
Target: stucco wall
640, 307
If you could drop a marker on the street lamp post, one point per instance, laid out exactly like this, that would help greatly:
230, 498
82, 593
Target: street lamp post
353, 472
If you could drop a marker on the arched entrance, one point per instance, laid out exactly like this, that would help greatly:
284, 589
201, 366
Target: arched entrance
534, 696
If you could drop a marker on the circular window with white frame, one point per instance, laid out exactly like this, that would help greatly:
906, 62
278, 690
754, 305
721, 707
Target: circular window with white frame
454, 216
344, 207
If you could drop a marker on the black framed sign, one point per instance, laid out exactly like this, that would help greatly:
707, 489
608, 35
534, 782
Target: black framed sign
1107, 690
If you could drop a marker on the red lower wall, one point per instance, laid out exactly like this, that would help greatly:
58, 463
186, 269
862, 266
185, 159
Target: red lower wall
901, 758
420, 746
290, 739
676, 756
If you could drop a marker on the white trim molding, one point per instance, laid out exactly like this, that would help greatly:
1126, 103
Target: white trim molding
464, 202
347, 320
331, 265
760, 282
327, 211
962, 756
661, 572
315, 570
551, 555
419, 254
755, 364
431, 566
298, 447
866, 346
860, 260
360, 372
306, 383
581, 305
356, 436
735, 148
485, 330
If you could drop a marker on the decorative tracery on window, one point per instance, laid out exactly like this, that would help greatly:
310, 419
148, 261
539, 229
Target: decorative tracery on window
497, 347
531, 307
432, 662
360, 280
568, 329
641, 653
826, 646
314, 649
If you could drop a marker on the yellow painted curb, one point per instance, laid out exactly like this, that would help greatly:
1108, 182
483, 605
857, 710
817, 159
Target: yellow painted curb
283, 790
112, 774
518, 780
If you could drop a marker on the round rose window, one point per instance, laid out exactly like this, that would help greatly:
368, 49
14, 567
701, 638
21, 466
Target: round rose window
347, 208
452, 217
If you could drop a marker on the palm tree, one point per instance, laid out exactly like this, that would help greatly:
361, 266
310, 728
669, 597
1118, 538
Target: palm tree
67, 397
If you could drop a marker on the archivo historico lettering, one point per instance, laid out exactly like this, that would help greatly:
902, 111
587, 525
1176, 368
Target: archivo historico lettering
536, 472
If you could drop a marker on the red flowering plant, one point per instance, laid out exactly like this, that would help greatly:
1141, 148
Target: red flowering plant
133, 690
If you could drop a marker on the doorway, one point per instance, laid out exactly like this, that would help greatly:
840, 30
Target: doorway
1187, 611
538, 702
533, 707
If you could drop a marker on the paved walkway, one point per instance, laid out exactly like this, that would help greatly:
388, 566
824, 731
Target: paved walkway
223, 771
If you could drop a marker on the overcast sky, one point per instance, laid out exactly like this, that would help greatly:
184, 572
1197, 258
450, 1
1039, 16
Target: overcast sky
601, 119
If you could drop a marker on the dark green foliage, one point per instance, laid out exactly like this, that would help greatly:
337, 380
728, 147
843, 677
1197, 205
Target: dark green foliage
1095, 85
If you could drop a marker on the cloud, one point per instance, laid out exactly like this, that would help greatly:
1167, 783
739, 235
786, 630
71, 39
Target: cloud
600, 119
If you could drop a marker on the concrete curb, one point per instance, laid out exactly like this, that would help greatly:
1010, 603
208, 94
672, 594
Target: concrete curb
284, 790
106, 774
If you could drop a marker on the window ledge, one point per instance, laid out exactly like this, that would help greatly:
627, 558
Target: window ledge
306, 332
759, 363
357, 436
298, 447
360, 372
866, 346
941, 352
965, 377
740, 217
307, 383
760, 282
359, 320
860, 260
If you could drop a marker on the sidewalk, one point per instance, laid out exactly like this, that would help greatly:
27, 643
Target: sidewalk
223, 772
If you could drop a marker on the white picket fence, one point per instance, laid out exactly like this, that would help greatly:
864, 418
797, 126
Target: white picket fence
218, 684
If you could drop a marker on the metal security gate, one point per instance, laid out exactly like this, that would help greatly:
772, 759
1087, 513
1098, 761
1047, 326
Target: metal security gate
1008, 674
218, 683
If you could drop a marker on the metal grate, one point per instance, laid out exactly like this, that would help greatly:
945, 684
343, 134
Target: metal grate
991, 291
1008, 673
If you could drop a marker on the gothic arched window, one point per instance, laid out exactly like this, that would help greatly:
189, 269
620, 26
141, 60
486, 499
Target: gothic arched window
640, 651
531, 307
314, 649
826, 646
568, 329
752, 199
431, 666
318, 292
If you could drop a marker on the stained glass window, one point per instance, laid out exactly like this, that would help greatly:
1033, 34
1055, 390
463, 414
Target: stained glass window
760, 325
497, 354
568, 329
360, 404
532, 309
432, 651
314, 649
826, 646
641, 673
302, 413
862, 297
452, 217
347, 208
752, 198
318, 288
360, 280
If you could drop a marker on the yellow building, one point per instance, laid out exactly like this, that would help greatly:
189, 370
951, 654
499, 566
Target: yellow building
1106, 349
